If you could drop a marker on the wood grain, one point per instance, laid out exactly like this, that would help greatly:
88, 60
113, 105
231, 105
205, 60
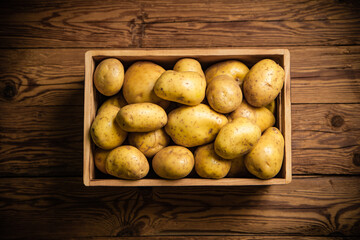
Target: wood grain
37, 77
176, 11
309, 206
238, 237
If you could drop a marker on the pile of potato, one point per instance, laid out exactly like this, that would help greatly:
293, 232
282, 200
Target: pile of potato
219, 122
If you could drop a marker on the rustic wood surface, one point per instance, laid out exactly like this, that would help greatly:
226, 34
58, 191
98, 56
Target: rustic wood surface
41, 117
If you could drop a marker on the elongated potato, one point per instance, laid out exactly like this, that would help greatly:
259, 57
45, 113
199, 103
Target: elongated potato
232, 68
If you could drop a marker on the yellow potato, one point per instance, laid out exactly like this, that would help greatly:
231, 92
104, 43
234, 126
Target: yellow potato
109, 76
141, 117
173, 162
100, 156
223, 94
265, 159
233, 68
260, 116
105, 132
208, 164
238, 168
127, 162
117, 101
149, 143
237, 138
194, 126
263, 83
139, 83
271, 107
183, 87
188, 65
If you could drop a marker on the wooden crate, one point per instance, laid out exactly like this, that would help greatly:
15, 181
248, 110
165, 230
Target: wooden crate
167, 59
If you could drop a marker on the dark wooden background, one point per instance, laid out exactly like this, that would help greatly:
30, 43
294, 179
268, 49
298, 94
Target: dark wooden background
41, 119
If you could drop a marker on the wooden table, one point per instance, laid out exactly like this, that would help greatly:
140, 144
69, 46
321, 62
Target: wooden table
41, 117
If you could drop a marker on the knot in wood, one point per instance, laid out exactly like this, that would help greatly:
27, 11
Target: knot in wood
356, 159
9, 89
337, 121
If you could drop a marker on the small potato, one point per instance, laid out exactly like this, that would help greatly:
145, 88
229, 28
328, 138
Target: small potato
182, 87
223, 94
127, 162
188, 65
208, 164
263, 83
109, 76
266, 158
117, 101
139, 82
104, 130
237, 138
233, 68
141, 117
238, 168
173, 162
271, 107
149, 143
194, 126
260, 116
100, 156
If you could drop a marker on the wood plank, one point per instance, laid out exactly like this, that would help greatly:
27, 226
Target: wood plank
187, 34
322, 142
46, 207
37, 77
176, 11
237, 237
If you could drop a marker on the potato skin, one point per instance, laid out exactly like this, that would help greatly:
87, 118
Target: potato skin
141, 117
208, 164
173, 162
189, 65
223, 94
100, 156
194, 126
149, 143
127, 162
260, 116
263, 83
271, 106
139, 82
233, 68
104, 130
238, 169
109, 76
117, 101
237, 138
182, 87
265, 159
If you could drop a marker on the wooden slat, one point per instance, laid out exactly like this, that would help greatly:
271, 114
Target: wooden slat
175, 11
46, 207
37, 77
325, 139
179, 34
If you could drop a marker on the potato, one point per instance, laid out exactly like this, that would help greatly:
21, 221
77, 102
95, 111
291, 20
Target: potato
233, 68
260, 116
189, 64
265, 159
194, 126
183, 87
173, 162
208, 164
223, 94
139, 83
117, 101
104, 130
100, 156
271, 107
141, 117
263, 83
109, 76
127, 162
149, 143
238, 168
237, 138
